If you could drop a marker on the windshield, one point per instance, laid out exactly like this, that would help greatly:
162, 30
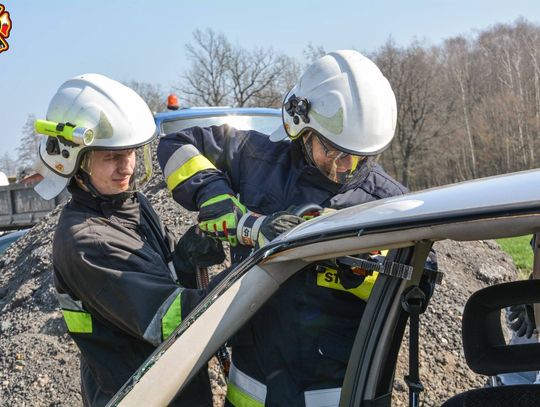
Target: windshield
263, 124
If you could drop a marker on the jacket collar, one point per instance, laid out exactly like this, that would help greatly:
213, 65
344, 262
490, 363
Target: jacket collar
123, 206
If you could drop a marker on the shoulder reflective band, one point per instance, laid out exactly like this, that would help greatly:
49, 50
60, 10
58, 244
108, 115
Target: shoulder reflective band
68, 131
243, 390
172, 318
78, 322
328, 278
183, 164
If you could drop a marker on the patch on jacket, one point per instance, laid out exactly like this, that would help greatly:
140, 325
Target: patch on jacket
329, 278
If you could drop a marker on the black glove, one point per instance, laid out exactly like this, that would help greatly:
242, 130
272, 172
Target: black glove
276, 224
523, 320
196, 249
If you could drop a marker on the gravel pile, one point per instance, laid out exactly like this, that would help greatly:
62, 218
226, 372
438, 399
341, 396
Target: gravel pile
39, 363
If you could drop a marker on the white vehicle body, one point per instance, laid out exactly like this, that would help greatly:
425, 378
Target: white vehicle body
495, 207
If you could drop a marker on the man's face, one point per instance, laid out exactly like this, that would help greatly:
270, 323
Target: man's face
334, 163
111, 170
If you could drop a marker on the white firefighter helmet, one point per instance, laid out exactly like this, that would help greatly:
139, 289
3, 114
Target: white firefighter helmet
88, 112
344, 98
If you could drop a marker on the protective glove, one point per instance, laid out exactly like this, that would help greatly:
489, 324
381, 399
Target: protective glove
219, 217
258, 230
195, 249
523, 320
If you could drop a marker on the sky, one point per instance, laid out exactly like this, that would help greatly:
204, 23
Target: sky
52, 41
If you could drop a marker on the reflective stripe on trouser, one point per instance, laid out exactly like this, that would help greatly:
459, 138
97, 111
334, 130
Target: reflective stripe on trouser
77, 320
183, 164
323, 397
245, 391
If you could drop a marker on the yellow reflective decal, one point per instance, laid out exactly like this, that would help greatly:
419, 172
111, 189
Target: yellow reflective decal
78, 322
329, 279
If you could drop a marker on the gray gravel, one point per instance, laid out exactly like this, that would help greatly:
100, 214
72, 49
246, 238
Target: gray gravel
39, 363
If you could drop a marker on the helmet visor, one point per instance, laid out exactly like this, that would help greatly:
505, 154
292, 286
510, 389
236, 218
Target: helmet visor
116, 171
336, 165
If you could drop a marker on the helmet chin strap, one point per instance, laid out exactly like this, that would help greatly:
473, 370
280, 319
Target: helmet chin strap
83, 179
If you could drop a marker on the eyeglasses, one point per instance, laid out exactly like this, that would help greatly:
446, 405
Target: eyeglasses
330, 152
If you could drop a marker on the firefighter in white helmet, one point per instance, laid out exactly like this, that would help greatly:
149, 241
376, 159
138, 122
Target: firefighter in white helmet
117, 274
339, 116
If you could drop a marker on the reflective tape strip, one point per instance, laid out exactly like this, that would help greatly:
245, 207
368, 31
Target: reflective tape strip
248, 228
243, 390
172, 318
78, 322
329, 278
179, 158
257, 227
68, 303
189, 169
154, 330
323, 397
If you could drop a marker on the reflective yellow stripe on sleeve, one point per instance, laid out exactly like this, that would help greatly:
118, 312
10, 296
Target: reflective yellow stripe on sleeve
78, 322
329, 278
188, 169
172, 318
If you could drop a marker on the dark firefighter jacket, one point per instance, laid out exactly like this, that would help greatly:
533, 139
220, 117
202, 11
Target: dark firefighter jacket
299, 341
117, 293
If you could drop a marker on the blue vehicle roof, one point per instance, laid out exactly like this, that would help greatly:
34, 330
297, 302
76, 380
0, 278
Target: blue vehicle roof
215, 111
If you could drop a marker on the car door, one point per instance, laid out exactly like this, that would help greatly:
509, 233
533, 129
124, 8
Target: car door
406, 225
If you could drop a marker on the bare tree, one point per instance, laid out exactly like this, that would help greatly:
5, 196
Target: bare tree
222, 73
255, 76
206, 81
313, 52
27, 152
272, 95
153, 95
8, 165
458, 67
414, 74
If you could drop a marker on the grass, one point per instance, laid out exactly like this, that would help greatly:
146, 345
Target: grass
519, 248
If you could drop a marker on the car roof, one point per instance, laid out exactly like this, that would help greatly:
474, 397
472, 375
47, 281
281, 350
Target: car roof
215, 111
495, 207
